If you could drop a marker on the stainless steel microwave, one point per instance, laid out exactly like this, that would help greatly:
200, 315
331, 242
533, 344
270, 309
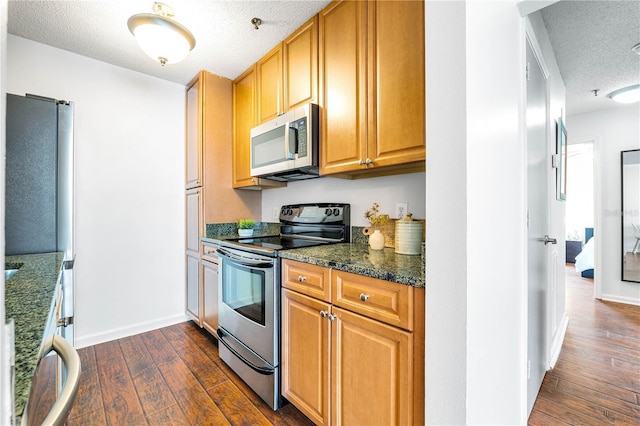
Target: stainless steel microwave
286, 148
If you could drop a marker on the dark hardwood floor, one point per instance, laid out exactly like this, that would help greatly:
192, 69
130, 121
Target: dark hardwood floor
170, 376
174, 376
596, 380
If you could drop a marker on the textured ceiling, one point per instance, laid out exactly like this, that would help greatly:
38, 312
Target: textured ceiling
592, 42
226, 41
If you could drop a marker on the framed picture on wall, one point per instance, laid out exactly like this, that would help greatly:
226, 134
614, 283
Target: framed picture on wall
561, 160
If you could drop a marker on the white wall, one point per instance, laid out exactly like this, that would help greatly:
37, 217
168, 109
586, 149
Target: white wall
446, 227
360, 193
496, 196
476, 236
129, 134
613, 130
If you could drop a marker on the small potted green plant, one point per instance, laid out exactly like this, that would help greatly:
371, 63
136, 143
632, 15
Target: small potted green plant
245, 227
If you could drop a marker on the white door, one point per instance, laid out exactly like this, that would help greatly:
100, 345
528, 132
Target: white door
537, 213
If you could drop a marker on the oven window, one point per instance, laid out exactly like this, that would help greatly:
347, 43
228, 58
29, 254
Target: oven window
243, 291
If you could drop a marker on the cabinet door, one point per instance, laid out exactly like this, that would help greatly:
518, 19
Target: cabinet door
210, 296
194, 230
305, 355
194, 289
300, 52
343, 94
397, 82
194, 136
371, 372
269, 74
244, 94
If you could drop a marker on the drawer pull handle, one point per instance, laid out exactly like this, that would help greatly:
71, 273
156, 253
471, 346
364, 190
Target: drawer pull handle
364, 297
302, 278
324, 314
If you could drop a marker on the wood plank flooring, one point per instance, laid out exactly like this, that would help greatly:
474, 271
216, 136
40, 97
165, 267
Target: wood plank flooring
170, 376
596, 380
174, 376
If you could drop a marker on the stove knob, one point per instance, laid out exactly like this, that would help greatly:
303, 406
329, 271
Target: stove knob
336, 212
327, 212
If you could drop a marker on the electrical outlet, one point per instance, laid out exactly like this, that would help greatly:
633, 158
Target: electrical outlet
401, 210
276, 213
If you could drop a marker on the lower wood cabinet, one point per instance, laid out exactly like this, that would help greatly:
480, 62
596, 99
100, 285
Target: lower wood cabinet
345, 366
210, 288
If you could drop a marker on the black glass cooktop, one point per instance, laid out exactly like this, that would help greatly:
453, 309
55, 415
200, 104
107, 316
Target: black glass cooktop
279, 243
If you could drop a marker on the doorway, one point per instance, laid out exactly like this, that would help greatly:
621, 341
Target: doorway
580, 209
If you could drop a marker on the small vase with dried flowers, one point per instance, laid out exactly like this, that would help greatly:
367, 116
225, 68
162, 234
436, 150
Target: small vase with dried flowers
377, 221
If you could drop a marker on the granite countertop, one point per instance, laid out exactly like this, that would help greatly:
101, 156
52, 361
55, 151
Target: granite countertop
29, 300
358, 258
354, 257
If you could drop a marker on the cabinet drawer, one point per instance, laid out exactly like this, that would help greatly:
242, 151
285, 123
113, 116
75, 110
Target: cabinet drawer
384, 301
209, 252
305, 278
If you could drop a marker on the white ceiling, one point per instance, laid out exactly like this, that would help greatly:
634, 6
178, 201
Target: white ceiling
592, 42
591, 39
226, 41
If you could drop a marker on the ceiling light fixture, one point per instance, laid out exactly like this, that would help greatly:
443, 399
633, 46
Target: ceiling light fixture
626, 95
159, 36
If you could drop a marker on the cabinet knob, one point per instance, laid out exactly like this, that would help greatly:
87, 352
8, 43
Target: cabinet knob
332, 317
301, 278
324, 314
364, 297
368, 161
361, 162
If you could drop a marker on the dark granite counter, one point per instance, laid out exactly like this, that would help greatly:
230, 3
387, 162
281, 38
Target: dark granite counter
28, 300
358, 258
353, 257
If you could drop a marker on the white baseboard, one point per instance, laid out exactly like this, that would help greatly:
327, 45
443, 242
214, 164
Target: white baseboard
118, 333
556, 344
620, 299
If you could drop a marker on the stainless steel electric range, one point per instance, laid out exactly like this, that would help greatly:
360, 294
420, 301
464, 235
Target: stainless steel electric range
249, 291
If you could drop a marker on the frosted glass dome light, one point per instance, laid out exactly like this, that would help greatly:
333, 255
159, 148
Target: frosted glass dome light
626, 95
160, 37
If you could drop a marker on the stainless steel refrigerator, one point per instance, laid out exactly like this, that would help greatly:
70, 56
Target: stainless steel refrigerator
39, 185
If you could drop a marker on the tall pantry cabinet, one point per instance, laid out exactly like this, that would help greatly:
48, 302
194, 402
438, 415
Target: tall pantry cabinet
210, 197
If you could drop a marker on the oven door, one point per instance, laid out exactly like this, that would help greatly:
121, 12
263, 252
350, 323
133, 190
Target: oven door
248, 303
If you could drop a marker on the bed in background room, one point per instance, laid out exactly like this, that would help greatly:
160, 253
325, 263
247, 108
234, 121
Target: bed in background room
585, 259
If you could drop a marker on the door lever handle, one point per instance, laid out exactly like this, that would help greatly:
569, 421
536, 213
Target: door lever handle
548, 240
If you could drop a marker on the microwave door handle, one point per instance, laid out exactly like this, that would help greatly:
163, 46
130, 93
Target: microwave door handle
292, 142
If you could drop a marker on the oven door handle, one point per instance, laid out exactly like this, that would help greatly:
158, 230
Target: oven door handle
253, 263
262, 370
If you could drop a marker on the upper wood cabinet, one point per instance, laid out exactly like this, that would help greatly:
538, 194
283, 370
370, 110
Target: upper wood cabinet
343, 116
300, 57
194, 136
244, 118
269, 79
372, 86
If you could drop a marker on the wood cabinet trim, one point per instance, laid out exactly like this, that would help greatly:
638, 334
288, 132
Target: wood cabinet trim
387, 302
311, 28
273, 58
311, 280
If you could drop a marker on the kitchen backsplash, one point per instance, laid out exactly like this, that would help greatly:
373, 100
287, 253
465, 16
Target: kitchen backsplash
232, 228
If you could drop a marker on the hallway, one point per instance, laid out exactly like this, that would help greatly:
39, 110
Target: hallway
596, 380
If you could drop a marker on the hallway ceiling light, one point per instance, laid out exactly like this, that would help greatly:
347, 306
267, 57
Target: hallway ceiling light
626, 95
159, 36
